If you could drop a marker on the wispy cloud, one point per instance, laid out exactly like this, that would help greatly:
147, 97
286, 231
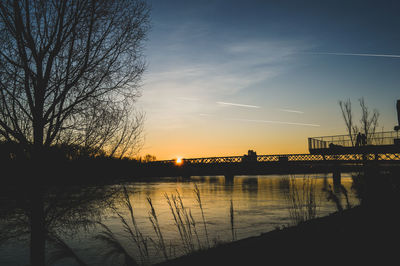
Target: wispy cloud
181, 81
275, 122
356, 54
239, 105
187, 99
290, 111
261, 121
224, 69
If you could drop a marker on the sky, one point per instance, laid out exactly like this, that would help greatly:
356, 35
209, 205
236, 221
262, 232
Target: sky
226, 76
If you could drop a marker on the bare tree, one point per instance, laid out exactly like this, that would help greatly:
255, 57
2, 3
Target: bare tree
148, 158
128, 140
68, 66
368, 121
347, 113
69, 73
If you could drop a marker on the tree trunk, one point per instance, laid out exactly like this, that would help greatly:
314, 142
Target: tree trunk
38, 232
37, 219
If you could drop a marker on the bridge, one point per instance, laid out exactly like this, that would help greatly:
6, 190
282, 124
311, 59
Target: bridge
343, 158
332, 154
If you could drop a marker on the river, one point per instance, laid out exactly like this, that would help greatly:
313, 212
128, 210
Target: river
231, 209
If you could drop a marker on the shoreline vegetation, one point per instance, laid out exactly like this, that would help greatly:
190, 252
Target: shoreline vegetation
351, 235
366, 233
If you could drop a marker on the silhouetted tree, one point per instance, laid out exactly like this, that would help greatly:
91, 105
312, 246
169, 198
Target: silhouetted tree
347, 113
148, 158
368, 121
70, 71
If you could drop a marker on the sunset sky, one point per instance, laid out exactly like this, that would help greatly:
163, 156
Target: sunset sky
227, 76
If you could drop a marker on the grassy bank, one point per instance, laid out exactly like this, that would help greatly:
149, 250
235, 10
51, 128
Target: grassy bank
354, 236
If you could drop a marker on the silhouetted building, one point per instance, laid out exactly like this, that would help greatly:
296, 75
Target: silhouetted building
251, 156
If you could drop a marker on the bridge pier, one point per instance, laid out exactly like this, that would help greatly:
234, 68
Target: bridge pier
229, 178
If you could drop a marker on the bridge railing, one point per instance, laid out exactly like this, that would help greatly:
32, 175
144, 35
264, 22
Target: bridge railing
377, 138
287, 158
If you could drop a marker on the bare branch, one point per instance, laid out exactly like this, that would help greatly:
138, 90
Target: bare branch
368, 121
348, 117
61, 61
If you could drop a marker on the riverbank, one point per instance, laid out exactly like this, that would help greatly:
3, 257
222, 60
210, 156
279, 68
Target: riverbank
355, 236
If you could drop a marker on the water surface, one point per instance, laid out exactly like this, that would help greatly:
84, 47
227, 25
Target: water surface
259, 205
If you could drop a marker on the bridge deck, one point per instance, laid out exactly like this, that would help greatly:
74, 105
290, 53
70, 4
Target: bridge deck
345, 157
376, 139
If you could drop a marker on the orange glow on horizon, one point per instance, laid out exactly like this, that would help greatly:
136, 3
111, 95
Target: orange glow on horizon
230, 140
178, 161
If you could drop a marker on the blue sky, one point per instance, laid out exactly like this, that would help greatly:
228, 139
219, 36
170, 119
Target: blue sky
227, 76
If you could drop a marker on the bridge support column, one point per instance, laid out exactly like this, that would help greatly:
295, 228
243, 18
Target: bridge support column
336, 180
229, 178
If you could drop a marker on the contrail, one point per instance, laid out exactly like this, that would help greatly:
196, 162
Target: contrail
238, 104
352, 54
291, 111
276, 122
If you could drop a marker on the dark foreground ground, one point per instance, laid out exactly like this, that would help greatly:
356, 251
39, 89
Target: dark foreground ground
354, 237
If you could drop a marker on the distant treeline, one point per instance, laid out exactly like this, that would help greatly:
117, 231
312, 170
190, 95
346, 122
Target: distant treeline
67, 163
12, 151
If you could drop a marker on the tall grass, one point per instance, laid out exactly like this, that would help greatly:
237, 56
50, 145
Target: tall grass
301, 200
133, 230
343, 190
232, 219
198, 199
160, 244
62, 251
115, 248
335, 197
184, 222
132, 233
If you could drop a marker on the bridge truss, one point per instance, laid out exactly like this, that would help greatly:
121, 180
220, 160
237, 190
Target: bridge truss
358, 158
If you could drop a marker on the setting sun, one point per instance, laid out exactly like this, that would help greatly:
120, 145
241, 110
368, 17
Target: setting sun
178, 161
